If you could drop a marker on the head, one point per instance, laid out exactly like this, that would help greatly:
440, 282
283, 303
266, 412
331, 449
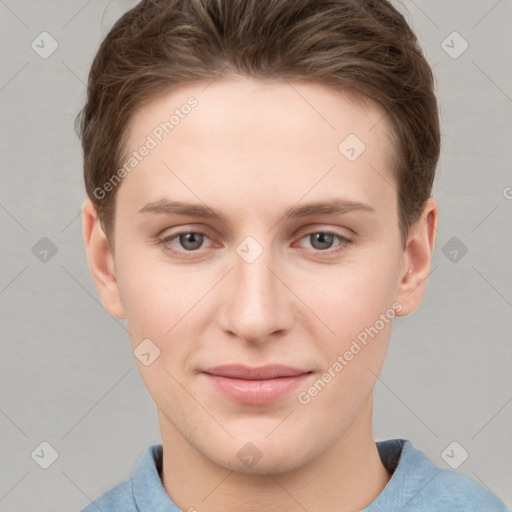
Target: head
253, 113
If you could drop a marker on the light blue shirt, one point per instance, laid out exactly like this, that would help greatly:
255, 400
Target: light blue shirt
416, 485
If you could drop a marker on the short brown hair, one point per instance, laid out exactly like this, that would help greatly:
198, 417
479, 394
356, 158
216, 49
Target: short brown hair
364, 46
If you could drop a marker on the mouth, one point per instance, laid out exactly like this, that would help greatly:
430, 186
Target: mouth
255, 386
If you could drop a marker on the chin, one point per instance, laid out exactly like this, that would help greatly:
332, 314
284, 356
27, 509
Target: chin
264, 457
267, 465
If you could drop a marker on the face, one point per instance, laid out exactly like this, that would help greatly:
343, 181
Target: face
258, 254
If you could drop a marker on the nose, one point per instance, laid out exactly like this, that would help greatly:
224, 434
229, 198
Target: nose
257, 305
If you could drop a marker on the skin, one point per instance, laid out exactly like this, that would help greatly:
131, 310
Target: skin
253, 149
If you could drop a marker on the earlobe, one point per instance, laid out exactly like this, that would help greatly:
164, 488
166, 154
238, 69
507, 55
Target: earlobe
101, 261
417, 259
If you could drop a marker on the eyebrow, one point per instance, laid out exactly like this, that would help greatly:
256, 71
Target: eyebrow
339, 206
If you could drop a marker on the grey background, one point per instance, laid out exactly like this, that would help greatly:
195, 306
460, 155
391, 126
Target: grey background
67, 372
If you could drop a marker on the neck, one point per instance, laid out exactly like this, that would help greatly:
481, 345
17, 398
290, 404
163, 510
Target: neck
347, 476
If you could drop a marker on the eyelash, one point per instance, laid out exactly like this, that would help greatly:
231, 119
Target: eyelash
344, 242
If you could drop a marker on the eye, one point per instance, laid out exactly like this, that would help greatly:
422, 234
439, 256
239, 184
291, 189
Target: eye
322, 241
185, 243
190, 241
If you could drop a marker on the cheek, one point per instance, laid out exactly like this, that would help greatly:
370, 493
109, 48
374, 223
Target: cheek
358, 306
337, 302
353, 298
158, 308
145, 294
360, 312
162, 301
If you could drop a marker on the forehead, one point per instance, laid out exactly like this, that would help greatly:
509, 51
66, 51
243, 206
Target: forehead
261, 140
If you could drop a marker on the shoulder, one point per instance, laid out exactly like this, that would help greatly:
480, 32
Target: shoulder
450, 490
144, 487
118, 498
420, 486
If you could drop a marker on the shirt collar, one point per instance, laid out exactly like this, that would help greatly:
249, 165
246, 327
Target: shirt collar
148, 491
397, 455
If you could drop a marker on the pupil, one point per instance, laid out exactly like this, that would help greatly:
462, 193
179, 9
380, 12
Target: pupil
324, 239
187, 240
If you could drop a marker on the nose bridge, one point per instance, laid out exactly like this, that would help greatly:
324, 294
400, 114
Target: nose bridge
255, 284
257, 304
252, 272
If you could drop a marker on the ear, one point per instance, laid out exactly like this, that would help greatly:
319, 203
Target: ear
101, 261
417, 259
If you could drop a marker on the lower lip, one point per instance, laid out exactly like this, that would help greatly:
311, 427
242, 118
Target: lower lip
256, 392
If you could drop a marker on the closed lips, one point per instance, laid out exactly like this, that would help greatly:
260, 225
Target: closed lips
259, 373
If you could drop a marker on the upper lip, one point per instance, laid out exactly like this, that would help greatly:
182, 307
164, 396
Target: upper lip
255, 373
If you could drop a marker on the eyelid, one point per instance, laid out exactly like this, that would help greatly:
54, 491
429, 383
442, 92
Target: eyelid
198, 231
172, 232
309, 230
